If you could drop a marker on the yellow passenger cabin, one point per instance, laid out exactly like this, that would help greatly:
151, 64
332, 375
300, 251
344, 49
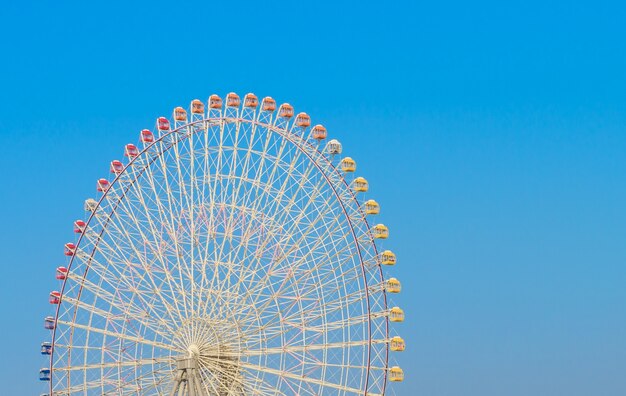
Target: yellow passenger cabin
371, 207
393, 285
397, 344
388, 258
396, 315
360, 184
380, 231
396, 374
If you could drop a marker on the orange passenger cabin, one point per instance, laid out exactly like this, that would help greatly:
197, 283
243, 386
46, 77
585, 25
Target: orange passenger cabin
268, 104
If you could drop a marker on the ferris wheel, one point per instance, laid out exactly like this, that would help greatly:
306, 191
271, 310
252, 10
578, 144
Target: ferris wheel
232, 252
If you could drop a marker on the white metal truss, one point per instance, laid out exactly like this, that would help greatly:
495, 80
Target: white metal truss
231, 256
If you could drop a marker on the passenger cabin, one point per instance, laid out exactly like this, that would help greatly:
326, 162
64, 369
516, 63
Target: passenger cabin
360, 184
46, 348
116, 167
130, 150
303, 120
79, 226
163, 124
285, 111
333, 147
61, 273
70, 249
55, 297
348, 165
268, 104
396, 315
380, 231
44, 374
232, 100
388, 258
180, 114
250, 101
396, 374
393, 285
102, 185
371, 207
197, 107
215, 102
91, 205
146, 136
319, 132
49, 323
397, 344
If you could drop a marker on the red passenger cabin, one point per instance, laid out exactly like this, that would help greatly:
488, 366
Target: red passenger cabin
146, 136
102, 185
117, 167
79, 226
131, 150
55, 297
61, 273
70, 249
163, 124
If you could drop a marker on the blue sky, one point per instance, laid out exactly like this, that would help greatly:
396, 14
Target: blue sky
493, 136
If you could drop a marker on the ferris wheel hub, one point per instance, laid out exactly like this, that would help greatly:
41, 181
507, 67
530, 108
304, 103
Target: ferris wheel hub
194, 351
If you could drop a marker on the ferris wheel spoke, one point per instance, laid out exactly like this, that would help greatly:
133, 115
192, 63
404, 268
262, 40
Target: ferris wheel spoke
171, 209
123, 304
157, 251
257, 262
132, 363
111, 272
113, 251
301, 378
294, 283
120, 336
238, 182
309, 347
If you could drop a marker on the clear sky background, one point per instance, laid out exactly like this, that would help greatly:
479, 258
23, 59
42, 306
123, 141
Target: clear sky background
492, 134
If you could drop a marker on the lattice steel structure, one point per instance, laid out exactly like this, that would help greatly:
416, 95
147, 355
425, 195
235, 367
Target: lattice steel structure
231, 253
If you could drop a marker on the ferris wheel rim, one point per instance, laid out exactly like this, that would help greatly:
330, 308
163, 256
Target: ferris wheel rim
284, 134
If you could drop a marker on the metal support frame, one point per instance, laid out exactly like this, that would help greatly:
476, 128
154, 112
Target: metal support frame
186, 380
